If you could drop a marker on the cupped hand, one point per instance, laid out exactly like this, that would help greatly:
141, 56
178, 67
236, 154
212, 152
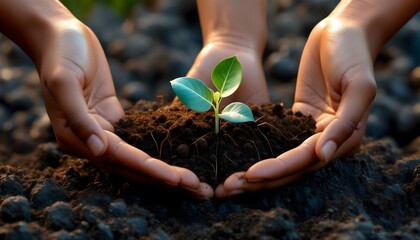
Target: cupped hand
336, 86
80, 99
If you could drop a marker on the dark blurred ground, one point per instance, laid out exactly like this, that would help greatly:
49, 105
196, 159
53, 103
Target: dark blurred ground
158, 42
372, 195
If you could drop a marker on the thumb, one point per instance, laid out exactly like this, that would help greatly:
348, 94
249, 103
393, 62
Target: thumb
350, 120
66, 90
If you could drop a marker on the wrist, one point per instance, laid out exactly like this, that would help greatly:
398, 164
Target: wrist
31, 26
228, 22
378, 21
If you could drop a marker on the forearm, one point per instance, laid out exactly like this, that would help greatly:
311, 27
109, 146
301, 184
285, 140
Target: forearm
239, 22
29, 23
380, 19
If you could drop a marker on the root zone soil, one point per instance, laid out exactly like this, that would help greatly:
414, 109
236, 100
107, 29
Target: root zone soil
182, 137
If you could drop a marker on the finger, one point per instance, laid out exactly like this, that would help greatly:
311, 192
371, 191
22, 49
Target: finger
201, 191
355, 104
237, 184
66, 91
287, 163
352, 144
351, 85
187, 178
204, 191
121, 153
127, 173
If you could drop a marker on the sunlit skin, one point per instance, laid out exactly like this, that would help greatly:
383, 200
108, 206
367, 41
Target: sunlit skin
79, 94
335, 84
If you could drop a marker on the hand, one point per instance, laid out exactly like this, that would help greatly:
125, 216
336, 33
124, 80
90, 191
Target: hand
253, 88
79, 95
336, 86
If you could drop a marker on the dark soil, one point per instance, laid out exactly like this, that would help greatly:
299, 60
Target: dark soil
46, 194
372, 195
185, 138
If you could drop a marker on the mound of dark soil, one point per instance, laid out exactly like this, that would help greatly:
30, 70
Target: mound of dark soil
185, 138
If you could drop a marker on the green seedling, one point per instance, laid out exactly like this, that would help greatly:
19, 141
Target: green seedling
226, 77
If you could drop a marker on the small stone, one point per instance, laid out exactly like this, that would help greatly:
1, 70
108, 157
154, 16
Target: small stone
281, 67
138, 226
22, 143
376, 127
248, 148
202, 144
183, 150
49, 154
78, 234
19, 231
41, 129
101, 231
187, 133
92, 214
19, 99
135, 91
117, 209
59, 216
46, 193
10, 185
61, 235
15, 209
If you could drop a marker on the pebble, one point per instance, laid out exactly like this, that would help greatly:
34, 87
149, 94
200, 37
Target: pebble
60, 215
46, 193
376, 126
138, 226
21, 231
10, 185
132, 46
41, 129
49, 154
408, 118
15, 208
135, 91
280, 68
158, 26
92, 214
202, 144
101, 231
183, 150
117, 209
19, 100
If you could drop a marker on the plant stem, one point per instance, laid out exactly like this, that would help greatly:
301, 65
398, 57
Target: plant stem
216, 118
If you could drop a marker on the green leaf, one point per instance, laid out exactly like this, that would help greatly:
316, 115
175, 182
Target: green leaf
237, 112
227, 75
193, 93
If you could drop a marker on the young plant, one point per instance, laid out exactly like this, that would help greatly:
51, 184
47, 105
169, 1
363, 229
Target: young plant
226, 77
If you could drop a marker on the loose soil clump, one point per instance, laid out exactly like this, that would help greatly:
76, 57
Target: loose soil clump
185, 138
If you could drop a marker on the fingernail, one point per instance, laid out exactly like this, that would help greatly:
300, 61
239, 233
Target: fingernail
95, 145
328, 150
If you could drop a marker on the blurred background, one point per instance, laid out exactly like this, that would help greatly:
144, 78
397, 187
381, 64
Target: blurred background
148, 43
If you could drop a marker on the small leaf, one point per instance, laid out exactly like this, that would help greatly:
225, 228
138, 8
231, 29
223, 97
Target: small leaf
193, 93
227, 76
237, 112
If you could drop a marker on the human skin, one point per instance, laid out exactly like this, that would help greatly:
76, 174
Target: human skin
79, 93
335, 85
227, 30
